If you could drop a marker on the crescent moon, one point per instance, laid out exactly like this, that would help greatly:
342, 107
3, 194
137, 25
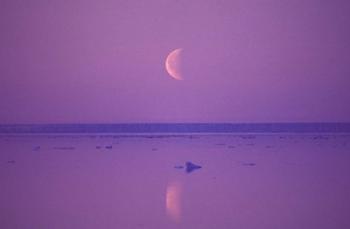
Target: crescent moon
173, 64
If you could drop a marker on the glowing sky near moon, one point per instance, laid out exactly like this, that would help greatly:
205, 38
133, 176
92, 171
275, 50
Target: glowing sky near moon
103, 61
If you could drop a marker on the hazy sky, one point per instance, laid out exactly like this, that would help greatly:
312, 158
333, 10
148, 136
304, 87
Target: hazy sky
69, 61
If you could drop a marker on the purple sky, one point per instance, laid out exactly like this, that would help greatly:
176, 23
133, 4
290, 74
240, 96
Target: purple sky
102, 61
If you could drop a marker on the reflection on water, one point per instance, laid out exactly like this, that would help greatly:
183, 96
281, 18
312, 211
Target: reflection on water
173, 201
203, 181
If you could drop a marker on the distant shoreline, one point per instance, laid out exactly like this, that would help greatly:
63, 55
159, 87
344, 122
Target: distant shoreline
176, 128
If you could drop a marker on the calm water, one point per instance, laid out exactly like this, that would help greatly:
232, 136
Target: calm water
113, 181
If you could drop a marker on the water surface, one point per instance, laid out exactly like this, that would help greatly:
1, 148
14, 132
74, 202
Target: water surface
140, 181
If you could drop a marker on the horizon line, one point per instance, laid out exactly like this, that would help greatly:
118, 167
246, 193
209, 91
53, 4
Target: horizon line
270, 127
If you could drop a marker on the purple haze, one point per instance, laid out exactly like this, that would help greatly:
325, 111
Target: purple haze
245, 61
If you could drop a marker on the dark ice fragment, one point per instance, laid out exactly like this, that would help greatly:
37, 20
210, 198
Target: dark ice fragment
190, 167
179, 166
248, 164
